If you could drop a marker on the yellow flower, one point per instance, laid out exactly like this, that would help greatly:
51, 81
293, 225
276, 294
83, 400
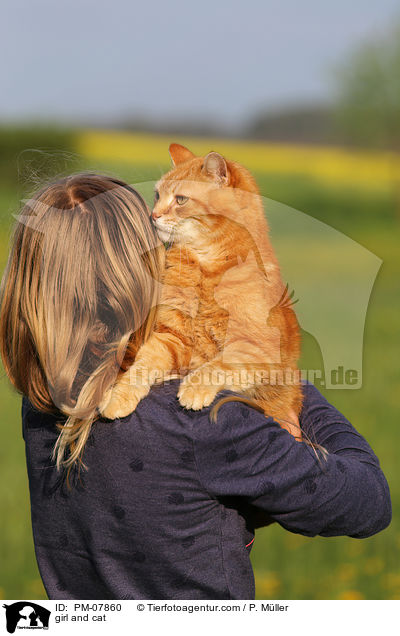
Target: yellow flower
267, 585
351, 595
329, 164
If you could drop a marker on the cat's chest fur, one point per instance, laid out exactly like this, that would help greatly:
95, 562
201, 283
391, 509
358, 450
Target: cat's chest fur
190, 278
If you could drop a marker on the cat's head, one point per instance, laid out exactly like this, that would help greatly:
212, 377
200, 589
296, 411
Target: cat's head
190, 198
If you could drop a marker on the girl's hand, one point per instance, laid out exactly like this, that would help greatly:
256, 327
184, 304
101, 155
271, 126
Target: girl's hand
292, 425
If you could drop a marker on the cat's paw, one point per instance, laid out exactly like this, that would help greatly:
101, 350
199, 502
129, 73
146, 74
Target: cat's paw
194, 395
120, 401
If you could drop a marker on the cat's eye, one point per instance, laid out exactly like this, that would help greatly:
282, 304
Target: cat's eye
180, 199
156, 196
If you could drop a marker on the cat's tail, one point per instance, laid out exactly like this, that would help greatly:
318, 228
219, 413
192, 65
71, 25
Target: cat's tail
233, 398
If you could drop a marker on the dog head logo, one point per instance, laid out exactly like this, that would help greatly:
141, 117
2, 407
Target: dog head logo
26, 615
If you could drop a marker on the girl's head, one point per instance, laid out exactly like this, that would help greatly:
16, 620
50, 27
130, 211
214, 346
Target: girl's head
80, 285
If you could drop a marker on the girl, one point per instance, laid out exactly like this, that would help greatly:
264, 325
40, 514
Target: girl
161, 504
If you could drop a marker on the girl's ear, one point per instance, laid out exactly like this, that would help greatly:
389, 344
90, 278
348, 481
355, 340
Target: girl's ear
215, 166
179, 154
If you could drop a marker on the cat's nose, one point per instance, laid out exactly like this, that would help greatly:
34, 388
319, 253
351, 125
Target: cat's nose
155, 215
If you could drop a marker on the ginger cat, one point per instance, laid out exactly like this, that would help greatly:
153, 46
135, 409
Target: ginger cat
233, 327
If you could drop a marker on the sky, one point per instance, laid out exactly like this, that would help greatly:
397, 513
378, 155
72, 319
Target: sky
90, 61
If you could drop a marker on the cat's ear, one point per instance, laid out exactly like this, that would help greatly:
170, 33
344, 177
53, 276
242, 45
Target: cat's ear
179, 154
215, 166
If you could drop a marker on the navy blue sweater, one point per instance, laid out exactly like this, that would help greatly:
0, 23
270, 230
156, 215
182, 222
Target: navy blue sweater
168, 506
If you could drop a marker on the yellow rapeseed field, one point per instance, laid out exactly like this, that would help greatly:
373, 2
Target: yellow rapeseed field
329, 164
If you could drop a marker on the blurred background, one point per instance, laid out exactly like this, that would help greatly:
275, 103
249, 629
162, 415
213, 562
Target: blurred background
307, 96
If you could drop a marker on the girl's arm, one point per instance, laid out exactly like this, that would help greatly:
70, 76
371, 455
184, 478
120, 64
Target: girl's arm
247, 455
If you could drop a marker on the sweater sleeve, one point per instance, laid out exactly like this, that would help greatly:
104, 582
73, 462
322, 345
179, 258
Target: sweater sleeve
307, 491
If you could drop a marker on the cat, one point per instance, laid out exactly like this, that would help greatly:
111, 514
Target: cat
238, 330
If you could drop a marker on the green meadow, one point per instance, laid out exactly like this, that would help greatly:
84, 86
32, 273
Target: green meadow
287, 566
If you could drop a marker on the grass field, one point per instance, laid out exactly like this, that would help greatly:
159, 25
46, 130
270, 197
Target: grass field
356, 195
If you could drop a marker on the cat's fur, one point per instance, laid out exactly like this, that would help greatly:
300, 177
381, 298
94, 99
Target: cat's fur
234, 314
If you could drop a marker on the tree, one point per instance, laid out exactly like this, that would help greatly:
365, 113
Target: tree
368, 104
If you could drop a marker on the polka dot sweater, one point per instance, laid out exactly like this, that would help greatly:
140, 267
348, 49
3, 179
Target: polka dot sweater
168, 506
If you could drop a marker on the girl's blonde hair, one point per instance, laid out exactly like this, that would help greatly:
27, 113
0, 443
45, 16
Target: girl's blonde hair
78, 298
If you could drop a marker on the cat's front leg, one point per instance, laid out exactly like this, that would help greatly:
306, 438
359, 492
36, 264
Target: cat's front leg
158, 359
123, 398
228, 370
199, 388
193, 394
